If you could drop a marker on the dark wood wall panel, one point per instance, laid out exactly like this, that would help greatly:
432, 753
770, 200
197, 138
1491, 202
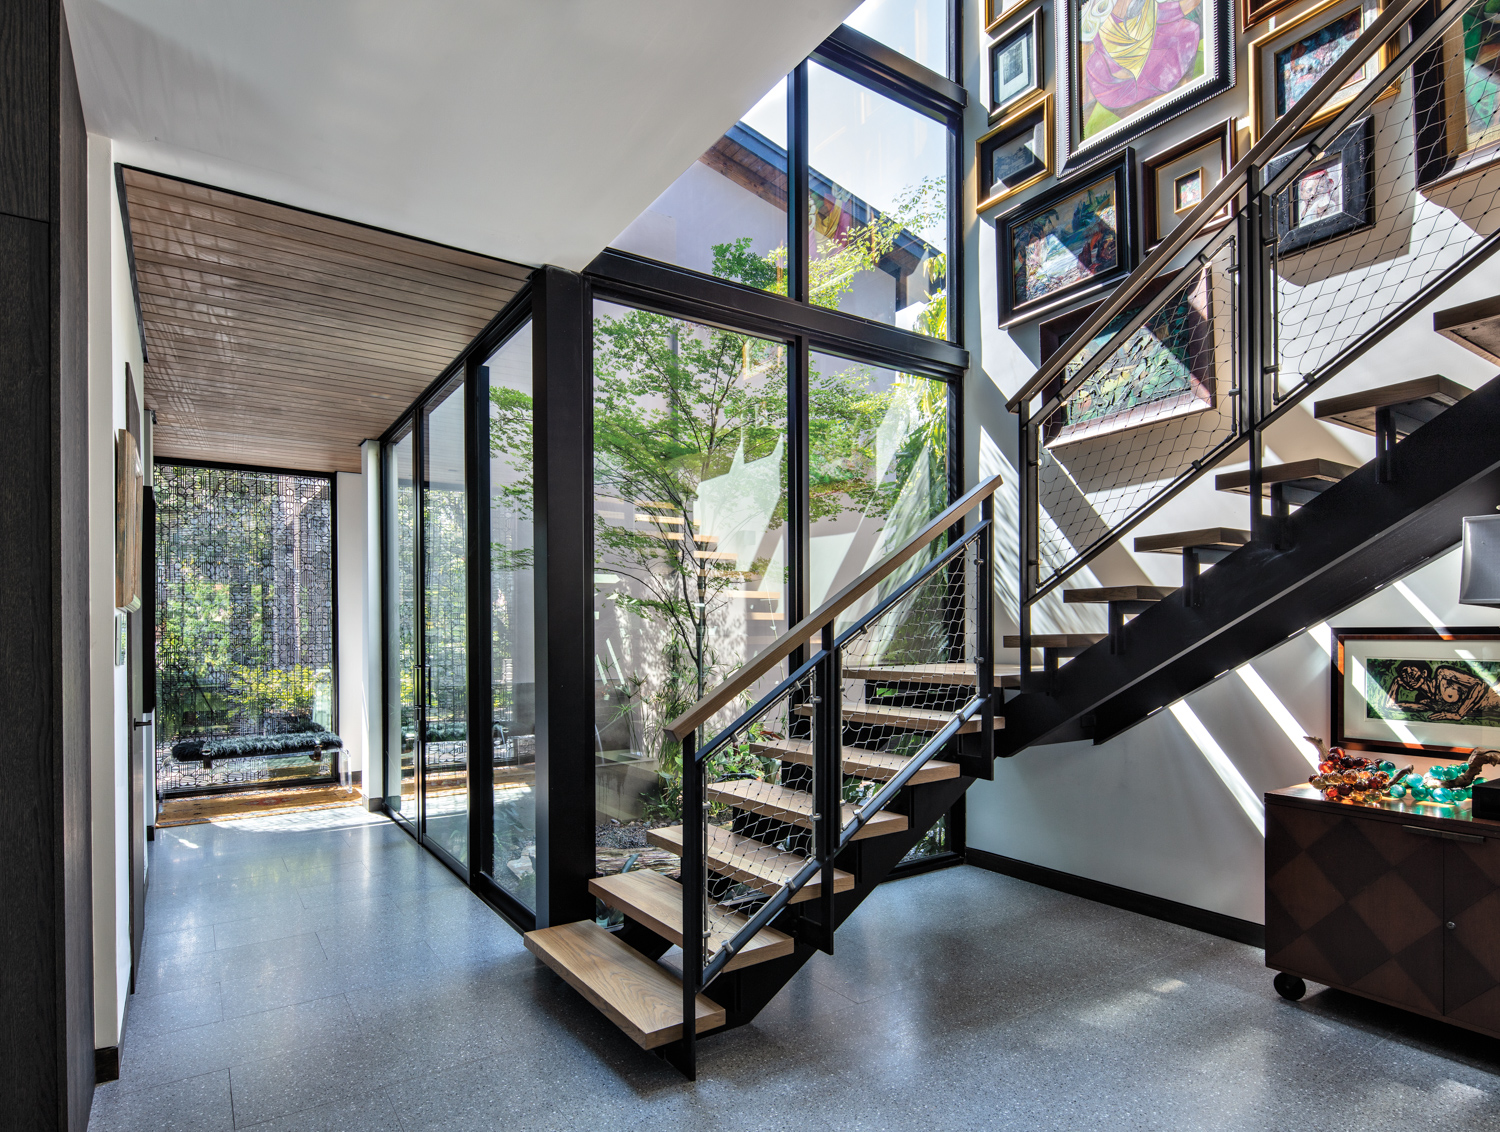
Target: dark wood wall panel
282, 338
27, 96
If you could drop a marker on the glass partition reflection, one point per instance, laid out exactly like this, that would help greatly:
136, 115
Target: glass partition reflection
445, 748
400, 484
690, 498
512, 617
877, 178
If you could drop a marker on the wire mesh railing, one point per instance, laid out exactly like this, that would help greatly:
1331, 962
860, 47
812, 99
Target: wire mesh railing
1350, 214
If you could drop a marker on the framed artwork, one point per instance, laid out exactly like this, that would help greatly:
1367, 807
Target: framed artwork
1456, 91
1285, 63
1332, 196
1177, 179
1253, 12
1077, 238
1127, 66
1016, 65
1016, 154
130, 482
1165, 370
995, 11
1416, 691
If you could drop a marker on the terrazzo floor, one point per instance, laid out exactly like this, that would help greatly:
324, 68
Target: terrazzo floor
319, 972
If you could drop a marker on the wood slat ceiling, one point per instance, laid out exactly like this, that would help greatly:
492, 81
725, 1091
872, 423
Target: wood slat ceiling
281, 338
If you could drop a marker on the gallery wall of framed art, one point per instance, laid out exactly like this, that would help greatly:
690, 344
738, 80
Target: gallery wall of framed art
1288, 60
1017, 153
1017, 63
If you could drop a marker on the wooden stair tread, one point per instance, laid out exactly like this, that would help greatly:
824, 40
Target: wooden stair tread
751, 862
1114, 593
655, 901
637, 995
1474, 326
794, 806
912, 673
878, 765
1009, 680
1210, 538
1311, 476
1412, 404
902, 718
1055, 640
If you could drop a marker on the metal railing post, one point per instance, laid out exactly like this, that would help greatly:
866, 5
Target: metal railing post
1028, 526
1252, 343
984, 627
694, 817
828, 776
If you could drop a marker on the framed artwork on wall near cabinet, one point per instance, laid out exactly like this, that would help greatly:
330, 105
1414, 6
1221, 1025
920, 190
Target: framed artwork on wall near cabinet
1016, 154
1176, 180
1286, 62
1332, 196
1416, 691
1077, 238
1456, 98
1127, 66
1016, 65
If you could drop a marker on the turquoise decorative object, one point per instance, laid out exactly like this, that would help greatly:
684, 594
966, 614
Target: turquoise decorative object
1442, 795
1397, 791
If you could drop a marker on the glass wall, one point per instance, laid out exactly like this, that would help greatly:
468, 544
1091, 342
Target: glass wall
512, 616
916, 28
402, 677
445, 652
690, 498
878, 179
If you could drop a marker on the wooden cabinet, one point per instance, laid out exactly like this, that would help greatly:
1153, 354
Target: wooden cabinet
1391, 903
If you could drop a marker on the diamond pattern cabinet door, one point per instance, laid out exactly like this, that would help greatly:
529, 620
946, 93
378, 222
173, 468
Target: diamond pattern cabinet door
1471, 956
1355, 902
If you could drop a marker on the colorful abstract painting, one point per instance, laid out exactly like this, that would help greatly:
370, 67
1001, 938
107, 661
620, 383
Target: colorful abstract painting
1164, 370
1131, 55
1297, 67
1481, 74
1067, 244
1461, 692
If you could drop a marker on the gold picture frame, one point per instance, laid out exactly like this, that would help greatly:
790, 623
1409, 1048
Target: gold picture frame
997, 11
1271, 58
1033, 114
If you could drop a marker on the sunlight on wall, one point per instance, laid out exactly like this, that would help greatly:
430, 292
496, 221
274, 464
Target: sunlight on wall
1278, 712
1254, 808
1416, 603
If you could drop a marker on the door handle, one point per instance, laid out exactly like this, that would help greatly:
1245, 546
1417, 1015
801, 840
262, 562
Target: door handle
1423, 831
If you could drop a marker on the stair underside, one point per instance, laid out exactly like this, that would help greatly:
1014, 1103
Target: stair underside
751, 862
1102, 594
902, 718
1054, 640
794, 806
913, 673
654, 901
877, 765
639, 996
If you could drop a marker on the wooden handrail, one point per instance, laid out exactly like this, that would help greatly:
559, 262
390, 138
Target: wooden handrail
779, 649
1383, 28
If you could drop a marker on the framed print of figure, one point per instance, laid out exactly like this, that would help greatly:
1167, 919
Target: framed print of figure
1457, 98
1016, 65
1286, 63
1016, 154
1127, 66
1177, 179
1332, 196
1077, 238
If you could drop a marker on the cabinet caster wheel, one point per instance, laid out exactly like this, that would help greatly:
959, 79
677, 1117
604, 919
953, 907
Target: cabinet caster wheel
1289, 987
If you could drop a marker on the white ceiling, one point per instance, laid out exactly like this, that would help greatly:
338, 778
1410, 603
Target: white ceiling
534, 130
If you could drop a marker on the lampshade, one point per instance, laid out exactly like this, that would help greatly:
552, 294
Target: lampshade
1480, 581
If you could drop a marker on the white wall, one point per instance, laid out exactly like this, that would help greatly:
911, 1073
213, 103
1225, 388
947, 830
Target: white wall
1172, 807
351, 553
113, 343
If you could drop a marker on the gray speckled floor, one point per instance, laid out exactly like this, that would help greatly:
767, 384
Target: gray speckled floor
319, 972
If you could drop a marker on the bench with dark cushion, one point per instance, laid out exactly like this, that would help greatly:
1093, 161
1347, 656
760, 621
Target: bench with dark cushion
208, 751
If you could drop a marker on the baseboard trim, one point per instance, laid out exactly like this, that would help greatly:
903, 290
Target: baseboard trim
1157, 907
106, 1064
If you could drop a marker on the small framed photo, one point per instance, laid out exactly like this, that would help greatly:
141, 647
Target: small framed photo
1285, 63
1416, 691
996, 12
1177, 179
1075, 239
1332, 196
1456, 93
1016, 154
1016, 65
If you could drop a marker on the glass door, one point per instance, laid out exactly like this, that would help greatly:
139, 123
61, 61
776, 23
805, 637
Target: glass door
403, 704
444, 747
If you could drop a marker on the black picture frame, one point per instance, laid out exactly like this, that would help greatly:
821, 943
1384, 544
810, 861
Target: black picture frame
1020, 125
1029, 28
1074, 152
1120, 174
1432, 645
1352, 154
